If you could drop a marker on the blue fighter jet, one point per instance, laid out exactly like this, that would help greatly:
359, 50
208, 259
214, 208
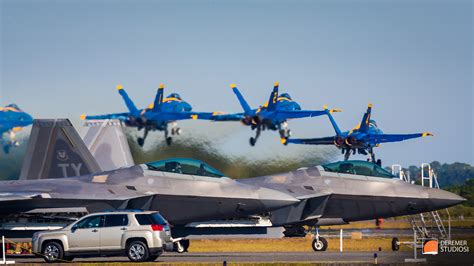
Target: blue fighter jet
12, 120
273, 115
362, 138
158, 116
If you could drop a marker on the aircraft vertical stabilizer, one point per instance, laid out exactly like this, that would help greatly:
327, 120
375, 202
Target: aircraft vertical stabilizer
55, 150
108, 144
273, 98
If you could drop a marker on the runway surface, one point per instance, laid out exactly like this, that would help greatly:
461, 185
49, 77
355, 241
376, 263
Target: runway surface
286, 257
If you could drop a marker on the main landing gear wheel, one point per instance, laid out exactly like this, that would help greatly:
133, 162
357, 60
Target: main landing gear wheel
140, 141
252, 141
395, 244
185, 243
179, 247
319, 244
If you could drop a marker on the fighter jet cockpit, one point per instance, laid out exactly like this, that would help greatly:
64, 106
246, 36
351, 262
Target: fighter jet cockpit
355, 167
184, 166
174, 95
285, 95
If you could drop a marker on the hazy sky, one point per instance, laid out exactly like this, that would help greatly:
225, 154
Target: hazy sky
411, 59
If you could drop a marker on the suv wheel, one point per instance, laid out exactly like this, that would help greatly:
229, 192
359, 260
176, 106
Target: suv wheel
137, 251
52, 252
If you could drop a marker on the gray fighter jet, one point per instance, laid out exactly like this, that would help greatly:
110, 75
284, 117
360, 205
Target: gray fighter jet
186, 190
60, 172
347, 191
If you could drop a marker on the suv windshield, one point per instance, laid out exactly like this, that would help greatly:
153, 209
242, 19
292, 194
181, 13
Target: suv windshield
148, 219
184, 166
357, 168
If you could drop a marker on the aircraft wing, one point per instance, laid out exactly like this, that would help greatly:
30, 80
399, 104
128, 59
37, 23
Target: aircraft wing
281, 115
173, 116
314, 141
227, 117
13, 196
120, 116
383, 138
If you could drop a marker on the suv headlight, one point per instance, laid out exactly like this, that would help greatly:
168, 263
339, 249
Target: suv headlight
35, 237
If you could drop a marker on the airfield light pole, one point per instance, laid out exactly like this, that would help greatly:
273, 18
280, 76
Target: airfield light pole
340, 240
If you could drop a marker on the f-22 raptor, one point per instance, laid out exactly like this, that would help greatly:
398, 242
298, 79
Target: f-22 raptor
60, 172
12, 120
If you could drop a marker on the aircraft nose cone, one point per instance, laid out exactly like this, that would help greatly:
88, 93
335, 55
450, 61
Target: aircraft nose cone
273, 199
441, 199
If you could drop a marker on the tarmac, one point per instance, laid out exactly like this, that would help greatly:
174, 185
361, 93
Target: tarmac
283, 257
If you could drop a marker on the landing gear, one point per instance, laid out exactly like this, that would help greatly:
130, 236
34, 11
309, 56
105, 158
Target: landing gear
141, 141
253, 140
395, 244
181, 246
284, 133
168, 139
372, 157
319, 243
347, 154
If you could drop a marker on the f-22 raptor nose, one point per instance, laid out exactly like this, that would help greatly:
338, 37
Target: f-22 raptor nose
441, 199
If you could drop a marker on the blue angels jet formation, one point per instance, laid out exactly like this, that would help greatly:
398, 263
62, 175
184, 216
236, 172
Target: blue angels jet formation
361, 139
164, 112
161, 115
12, 120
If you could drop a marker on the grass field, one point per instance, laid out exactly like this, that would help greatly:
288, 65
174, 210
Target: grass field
397, 224
301, 244
372, 244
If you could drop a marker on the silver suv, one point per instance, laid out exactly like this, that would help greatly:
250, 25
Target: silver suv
140, 235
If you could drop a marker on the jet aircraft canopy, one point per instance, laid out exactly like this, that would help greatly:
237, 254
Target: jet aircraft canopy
357, 168
185, 166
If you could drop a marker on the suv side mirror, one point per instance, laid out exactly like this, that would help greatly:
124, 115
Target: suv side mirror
74, 228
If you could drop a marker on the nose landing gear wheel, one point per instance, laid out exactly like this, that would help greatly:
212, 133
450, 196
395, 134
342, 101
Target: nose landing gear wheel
320, 244
252, 141
140, 141
169, 140
395, 244
181, 246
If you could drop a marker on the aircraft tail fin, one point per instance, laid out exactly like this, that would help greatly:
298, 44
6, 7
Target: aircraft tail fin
273, 97
331, 118
241, 99
364, 124
55, 150
108, 144
158, 98
128, 102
